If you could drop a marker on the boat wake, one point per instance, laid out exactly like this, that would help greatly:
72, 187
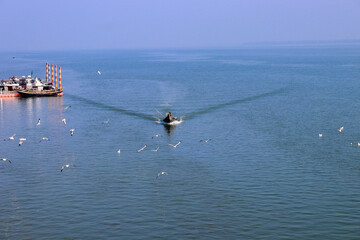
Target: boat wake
234, 102
111, 108
191, 115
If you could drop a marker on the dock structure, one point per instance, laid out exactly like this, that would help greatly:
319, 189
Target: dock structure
9, 94
56, 77
48, 74
52, 74
60, 77
19, 86
47, 66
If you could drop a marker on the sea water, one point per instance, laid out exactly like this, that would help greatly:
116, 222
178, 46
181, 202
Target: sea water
265, 173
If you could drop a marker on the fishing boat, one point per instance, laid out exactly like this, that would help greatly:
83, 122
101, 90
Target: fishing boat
40, 93
169, 118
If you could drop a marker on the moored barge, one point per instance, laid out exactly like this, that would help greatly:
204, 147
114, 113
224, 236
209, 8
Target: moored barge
42, 93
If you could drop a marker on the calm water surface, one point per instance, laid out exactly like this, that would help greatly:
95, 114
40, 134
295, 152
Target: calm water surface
264, 175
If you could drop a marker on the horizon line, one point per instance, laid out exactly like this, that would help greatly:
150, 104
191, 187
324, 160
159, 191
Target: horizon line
246, 45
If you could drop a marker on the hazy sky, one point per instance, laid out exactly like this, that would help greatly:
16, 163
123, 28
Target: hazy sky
96, 24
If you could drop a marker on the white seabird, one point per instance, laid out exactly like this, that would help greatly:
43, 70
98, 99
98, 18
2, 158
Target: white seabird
66, 166
156, 135
5, 159
72, 131
174, 146
99, 72
155, 150
66, 108
142, 148
161, 173
21, 140
118, 151
320, 135
205, 140
105, 122
64, 121
11, 138
340, 129
44, 139
38, 122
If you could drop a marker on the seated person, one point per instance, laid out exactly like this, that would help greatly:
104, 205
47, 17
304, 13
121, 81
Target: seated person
169, 118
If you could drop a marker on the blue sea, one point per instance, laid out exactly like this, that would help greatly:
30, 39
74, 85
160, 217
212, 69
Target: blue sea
265, 173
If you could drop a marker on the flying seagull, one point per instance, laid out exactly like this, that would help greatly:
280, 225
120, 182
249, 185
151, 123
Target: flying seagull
320, 135
340, 129
142, 148
105, 122
38, 122
161, 173
44, 139
174, 146
118, 151
64, 121
72, 131
66, 166
99, 72
156, 135
205, 140
5, 159
21, 140
155, 150
66, 108
11, 138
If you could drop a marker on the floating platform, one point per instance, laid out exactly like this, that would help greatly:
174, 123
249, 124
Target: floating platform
8, 94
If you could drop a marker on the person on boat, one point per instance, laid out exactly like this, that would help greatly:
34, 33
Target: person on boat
169, 118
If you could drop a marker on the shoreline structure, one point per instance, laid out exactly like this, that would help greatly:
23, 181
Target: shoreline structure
21, 86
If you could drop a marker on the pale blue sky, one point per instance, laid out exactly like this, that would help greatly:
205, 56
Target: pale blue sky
143, 24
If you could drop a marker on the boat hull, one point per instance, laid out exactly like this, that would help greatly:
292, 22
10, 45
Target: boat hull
9, 94
43, 93
172, 123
